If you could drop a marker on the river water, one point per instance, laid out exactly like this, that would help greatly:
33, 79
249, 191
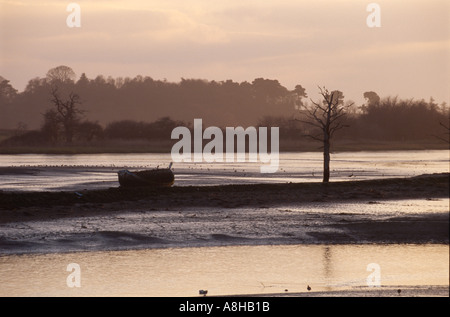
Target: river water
76, 172
226, 270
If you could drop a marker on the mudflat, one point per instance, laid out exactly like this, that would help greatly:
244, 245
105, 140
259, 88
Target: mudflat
23, 206
229, 214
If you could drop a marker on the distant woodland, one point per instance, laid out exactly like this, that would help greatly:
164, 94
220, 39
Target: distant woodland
141, 108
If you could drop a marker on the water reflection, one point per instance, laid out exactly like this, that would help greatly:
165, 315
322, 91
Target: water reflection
327, 264
223, 270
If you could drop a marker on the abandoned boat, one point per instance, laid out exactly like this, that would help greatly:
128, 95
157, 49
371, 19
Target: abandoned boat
160, 177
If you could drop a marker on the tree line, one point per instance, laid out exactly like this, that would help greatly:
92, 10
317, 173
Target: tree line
107, 99
63, 109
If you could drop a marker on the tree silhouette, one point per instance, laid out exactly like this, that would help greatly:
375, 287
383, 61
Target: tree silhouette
7, 92
372, 100
327, 116
299, 93
66, 113
446, 133
51, 126
61, 74
88, 131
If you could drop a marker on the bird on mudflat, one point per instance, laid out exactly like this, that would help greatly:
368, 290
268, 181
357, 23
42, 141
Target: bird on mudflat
203, 292
308, 288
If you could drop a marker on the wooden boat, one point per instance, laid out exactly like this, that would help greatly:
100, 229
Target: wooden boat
148, 178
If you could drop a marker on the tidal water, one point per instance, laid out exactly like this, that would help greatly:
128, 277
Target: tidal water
33, 172
225, 270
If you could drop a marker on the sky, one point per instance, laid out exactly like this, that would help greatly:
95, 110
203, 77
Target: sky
311, 43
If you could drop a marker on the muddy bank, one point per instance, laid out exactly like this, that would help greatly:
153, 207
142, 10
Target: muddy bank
24, 206
298, 213
397, 291
414, 221
177, 231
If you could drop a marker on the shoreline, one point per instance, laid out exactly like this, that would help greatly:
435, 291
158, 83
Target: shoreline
382, 291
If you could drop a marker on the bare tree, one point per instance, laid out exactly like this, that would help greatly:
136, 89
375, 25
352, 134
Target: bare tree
328, 117
446, 138
67, 112
51, 127
61, 74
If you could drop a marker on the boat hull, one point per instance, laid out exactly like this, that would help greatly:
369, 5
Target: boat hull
147, 178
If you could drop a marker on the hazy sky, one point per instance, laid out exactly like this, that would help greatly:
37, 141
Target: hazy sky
326, 43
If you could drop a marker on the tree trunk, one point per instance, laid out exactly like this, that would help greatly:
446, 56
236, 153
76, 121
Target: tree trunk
326, 159
69, 132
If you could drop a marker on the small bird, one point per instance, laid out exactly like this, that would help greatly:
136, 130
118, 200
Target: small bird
308, 288
203, 292
399, 291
